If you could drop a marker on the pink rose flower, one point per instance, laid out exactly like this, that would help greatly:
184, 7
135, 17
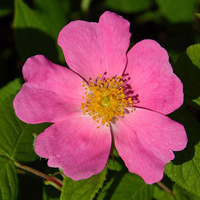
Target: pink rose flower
107, 95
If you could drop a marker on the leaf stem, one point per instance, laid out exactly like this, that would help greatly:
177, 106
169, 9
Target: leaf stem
164, 187
50, 180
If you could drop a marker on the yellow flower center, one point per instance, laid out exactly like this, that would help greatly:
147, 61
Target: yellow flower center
105, 99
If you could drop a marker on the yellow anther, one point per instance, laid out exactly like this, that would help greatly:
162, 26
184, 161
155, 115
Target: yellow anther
105, 100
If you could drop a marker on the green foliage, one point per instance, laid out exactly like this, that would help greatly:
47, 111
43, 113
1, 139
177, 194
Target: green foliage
36, 30
187, 68
177, 11
85, 4
123, 185
178, 194
193, 53
198, 15
197, 101
8, 180
126, 186
50, 193
83, 189
129, 6
182, 194
10, 88
6, 7
16, 144
36, 27
185, 169
16, 136
160, 194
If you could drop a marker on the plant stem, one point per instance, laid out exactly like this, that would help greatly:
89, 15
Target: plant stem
164, 187
50, 180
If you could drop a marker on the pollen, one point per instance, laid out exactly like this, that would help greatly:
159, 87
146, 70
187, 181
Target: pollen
105, 99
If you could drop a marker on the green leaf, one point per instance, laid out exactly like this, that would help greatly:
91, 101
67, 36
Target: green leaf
116, 164
197, 101
6, 7
50, 193
128, 6
194, 54
198, 15
36, 30
182, 194
85, 4
8, 180
177, 11
160, 194
122, 185
83, 189
16, 144
126, 186
9, 89
187, 68
178, 194
16, 137
185, 168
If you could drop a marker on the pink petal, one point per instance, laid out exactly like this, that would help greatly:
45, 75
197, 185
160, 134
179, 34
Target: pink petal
145, 140
91, 49
76, 146
152, 78
51, 92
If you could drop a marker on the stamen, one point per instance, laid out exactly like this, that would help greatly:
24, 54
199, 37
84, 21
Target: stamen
107, 99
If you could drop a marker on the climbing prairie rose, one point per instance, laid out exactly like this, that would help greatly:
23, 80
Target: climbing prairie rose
107, 95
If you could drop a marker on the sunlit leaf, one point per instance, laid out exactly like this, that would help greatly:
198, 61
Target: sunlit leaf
193, 52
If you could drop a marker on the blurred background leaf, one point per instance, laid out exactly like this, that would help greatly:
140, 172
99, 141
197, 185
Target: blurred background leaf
36, 29
128, 6
6, 7
178, 11
85, 4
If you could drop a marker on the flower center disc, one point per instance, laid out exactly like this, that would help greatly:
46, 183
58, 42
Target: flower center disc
105, 99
